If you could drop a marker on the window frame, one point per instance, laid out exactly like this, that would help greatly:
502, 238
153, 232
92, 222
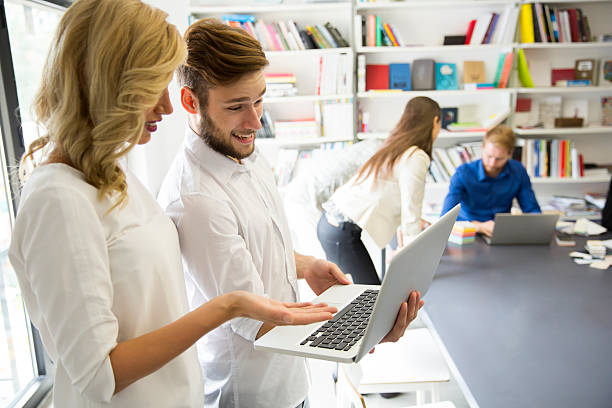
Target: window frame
34, 392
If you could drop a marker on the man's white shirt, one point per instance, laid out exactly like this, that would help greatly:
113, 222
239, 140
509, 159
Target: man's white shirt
234, 236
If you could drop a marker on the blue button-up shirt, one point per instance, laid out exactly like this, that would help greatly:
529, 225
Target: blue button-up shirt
481, 197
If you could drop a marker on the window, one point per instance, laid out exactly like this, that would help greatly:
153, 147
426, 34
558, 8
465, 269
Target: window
30, 28
16, 356
26, 29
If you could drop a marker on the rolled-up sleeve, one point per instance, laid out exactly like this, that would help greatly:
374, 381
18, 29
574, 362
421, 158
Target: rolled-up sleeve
525, 196
456, 191
216, 255
412, 172
60, 253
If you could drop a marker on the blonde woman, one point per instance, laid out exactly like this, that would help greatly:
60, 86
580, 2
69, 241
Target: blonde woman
97, 260
387, 192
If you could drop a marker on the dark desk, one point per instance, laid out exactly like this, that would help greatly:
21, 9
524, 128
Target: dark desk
525, 325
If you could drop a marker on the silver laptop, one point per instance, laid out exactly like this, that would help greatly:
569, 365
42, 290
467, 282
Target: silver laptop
366, 313
522, 229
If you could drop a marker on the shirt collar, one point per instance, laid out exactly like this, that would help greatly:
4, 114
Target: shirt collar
209, 159
482, 175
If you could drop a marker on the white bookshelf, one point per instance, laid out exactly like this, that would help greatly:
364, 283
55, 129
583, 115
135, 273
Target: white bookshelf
309, 53
284, 8
569, 180
434, 19
423, 24
592, 140
411, 4
568, 46
304, 98
572, 1
303, 64
589, 130
444, 135
434, 49
561, 90
432, 94
292, 142
552, 181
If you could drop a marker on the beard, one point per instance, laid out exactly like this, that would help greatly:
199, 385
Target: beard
213, 137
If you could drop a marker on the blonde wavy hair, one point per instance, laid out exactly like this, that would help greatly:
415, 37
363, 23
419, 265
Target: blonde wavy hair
109, 62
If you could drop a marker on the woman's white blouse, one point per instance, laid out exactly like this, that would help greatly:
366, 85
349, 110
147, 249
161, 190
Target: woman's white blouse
92, 278
380, 205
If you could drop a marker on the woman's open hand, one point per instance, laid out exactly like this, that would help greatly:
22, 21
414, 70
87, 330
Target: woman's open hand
280, 313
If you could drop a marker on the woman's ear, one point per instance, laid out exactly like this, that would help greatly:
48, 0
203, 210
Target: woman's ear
189, 100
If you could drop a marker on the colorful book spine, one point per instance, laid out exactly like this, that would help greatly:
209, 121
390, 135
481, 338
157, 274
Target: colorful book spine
390, 34
371, 30
470, 31
490, 29
526, 24
505, 75
294, 31
500, 68
275, 38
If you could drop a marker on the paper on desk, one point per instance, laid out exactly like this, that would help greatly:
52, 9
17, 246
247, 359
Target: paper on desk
565, 226
602, 264
576, 254
586, 227
607, 243
583, 261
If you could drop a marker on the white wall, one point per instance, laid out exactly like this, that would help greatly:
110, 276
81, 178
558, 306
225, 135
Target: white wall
151, 161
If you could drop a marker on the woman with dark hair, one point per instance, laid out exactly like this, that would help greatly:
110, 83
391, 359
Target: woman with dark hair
386, 192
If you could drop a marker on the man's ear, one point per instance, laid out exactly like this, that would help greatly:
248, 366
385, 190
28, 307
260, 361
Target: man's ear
189, 100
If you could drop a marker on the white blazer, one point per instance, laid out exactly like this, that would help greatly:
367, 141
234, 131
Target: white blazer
380, 205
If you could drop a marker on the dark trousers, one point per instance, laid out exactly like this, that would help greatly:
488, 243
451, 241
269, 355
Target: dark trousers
343, 246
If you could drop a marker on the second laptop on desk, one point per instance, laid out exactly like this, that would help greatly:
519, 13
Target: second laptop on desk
522, 229
366, 312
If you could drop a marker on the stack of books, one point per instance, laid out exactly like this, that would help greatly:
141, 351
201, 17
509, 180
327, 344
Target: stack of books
464, 232
376, 33
446, 160
574, 207
335, 75
287, 35
545, 23
492, 28
267, 126
551, 158
297, 129
280, 84
596, 249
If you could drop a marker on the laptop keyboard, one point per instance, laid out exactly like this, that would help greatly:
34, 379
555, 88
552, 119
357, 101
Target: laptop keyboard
347, 326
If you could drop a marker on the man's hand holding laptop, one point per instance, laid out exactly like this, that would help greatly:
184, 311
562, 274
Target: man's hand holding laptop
321, 275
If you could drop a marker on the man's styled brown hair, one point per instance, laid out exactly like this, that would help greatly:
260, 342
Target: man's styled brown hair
501, 135
217, 54
413, 129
